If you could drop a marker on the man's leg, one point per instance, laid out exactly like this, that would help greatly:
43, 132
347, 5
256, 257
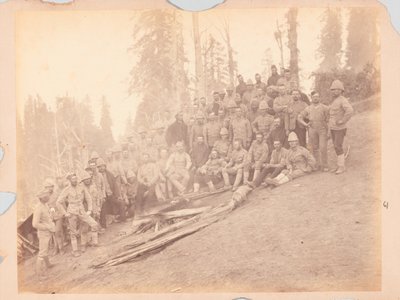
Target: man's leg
41, 263
257, 181
313, 136
238, 179
140, 199
105, 210
73, 227
323, 148
338, 144
246, 172
174, 178
59, 234
84, 235
88, 221
301, 134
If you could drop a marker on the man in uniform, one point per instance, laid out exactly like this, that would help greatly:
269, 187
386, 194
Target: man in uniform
295, 107
239, 103
273, 79
318, 131
241, 87
177, 131
263, 123
249, 94
215, 105
203, 106
211, 130
259, 84
235, 165
55, 214
230, 94
240, 128
222, 146
210, 173
277, 133
275, 166
74, 197
299, 162
254, 110
256, 157
223, 119
178, 166
45, 227
340, 112
196, 130
148, 176
163, 187
200, 153
287, 80
281, 104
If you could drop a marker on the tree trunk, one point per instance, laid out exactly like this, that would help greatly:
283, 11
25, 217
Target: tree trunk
231, 63
197, 53
292, 37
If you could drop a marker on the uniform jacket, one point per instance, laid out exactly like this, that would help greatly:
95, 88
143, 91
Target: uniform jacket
340, 109
177, 132
240, 128
300, 159
42, 219
75, 196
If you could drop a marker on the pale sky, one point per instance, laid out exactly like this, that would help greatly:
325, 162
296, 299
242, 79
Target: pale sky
85, 52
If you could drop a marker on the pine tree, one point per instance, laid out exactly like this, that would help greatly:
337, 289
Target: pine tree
106, 123
362, 40
158, 75
330, 48
292, 42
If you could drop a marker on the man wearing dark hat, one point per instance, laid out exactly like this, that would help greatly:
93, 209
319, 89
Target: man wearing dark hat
177, 131
241, 87
216, 104
273, 79
259, 84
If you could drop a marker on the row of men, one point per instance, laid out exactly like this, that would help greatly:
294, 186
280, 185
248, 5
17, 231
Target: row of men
129, 178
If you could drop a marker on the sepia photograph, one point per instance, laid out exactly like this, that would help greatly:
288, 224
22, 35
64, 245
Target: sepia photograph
229, 150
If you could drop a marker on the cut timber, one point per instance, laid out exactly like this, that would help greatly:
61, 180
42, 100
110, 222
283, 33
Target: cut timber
154, 242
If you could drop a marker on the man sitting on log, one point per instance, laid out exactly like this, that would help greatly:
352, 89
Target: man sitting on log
235, 165
256, 157
299, 162
148, 176
223, 146
275, 166
178, 166
210, 173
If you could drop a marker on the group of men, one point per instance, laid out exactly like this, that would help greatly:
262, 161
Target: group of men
253, 134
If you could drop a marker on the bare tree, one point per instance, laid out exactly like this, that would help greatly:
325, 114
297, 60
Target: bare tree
292, 42
197, 52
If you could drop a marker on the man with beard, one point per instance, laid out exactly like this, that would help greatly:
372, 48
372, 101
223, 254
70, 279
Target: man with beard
73, 197
178, 166
277, 133
256, 157
240, 128
263, 123
259, 84
177, 131
241, 87
210, 173
273, 79
295, 107
254, 110
235, 165
222, 146
196, 130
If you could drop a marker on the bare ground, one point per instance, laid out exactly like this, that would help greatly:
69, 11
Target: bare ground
318, 233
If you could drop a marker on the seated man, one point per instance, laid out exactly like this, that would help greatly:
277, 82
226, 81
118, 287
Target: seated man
256, 157
223, 145
163, 189
235, 165
148, 176
210, 173
299, 162
275, 166
178, 166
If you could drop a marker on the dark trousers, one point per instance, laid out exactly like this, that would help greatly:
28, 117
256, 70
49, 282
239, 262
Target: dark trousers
119, 208
106, 209
337, 140
265, 172
301, 134
140, 197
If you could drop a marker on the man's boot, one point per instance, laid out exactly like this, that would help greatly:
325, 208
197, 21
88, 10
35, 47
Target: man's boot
227, 183
238, 180
95, 238
283, 179
256, 174
341, 167
84, 238
48, 264
196, 187
74, 245
245, 177
40, 269
211, 186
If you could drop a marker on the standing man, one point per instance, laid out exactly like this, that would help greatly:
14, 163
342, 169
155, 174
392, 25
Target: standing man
340, 112
200, 153
230, 95
263, 123
277, 133
211, 130
318, 131
240, 128
74, 198
256, 157
239, 103
281, 104
235, 165
241, 87
254, 110
287, 80
259, 84
177, 131
295, 107
196, 130
273, 79
215, 105
56, 215
249, 94
178, 166
45, 229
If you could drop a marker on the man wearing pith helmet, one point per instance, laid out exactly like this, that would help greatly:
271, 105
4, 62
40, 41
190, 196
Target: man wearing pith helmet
340, 112
299, 162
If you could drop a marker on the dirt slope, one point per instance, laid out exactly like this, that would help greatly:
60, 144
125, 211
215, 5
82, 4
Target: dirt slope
317, 233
